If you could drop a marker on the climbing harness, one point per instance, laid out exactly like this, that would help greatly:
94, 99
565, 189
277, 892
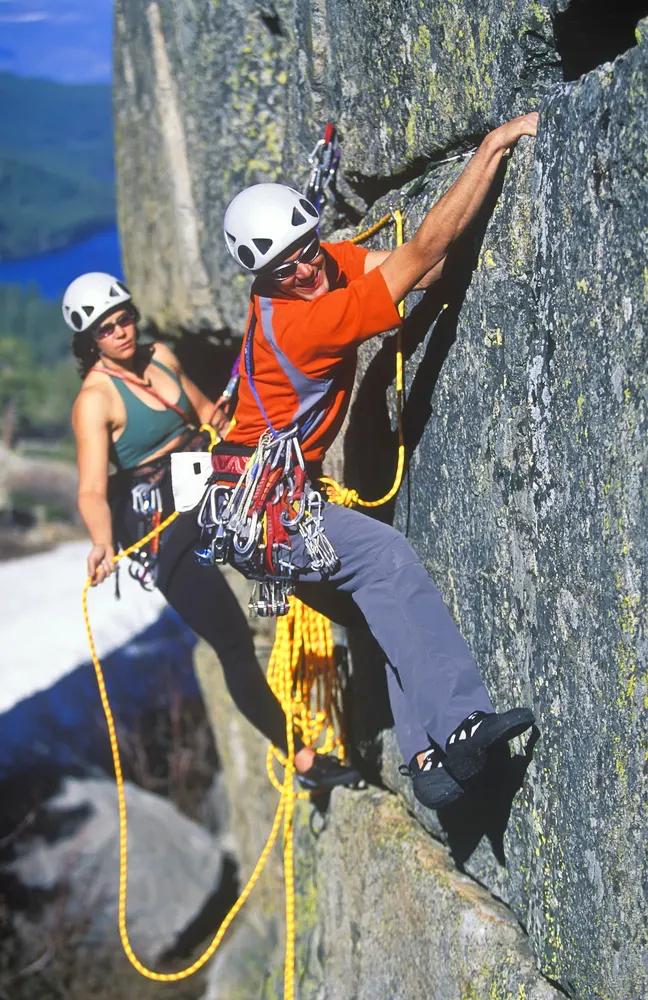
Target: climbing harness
302, 672
145, 493
324, 161
252, 521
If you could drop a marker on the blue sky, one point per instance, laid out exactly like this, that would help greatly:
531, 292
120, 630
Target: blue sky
65, 40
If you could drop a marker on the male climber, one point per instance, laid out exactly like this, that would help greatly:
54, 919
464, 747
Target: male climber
311, 305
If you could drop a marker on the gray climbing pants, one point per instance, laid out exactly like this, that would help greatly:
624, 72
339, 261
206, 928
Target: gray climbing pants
432, 678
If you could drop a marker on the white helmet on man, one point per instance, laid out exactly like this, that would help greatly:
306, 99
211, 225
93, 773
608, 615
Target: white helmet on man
263, 221
90, 297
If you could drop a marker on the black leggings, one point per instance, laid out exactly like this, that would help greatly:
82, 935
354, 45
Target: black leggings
203, 599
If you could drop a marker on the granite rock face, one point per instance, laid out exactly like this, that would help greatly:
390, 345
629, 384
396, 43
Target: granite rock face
384, 909
211, 96
381, 909
526, 422
525, 401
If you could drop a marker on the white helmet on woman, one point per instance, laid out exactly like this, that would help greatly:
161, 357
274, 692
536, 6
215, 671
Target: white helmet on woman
263, 221
90, 297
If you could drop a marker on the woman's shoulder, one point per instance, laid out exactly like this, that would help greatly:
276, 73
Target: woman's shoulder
94, 395
95, 384
160, 352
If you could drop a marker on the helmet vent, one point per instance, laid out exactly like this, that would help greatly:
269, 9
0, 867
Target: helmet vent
246, 256
262, 245
77, 322
310, 209
232, 239
114, 292
88, 310
297, 218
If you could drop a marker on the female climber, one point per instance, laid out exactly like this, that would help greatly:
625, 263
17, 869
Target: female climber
136, 406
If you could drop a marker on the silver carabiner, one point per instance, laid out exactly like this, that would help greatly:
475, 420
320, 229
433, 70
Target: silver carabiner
208, 508
292, 522
146, 499
245, 548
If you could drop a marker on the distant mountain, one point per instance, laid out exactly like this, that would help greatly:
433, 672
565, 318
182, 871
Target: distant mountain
65, 40
56, 163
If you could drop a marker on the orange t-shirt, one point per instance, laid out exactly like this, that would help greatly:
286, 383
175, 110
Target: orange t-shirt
304, 353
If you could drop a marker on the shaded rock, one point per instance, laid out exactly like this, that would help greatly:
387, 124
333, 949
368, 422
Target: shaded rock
174, 865
254, 945
42, 480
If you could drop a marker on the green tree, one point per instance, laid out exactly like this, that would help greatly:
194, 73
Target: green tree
18, 384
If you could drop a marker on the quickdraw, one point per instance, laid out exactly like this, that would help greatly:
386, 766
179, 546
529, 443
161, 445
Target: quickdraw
324, 161
251, 522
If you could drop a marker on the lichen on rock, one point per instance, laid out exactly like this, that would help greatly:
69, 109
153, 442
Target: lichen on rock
525, 422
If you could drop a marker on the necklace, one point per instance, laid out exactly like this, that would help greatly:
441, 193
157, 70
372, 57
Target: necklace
128, 376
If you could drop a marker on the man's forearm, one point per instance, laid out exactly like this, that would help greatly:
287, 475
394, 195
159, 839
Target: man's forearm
452, 214
457, 208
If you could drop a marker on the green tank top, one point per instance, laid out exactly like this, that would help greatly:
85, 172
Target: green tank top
147, 430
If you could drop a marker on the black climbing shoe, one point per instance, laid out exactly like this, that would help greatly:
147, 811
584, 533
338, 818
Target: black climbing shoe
466, 749
431, 783
326, 772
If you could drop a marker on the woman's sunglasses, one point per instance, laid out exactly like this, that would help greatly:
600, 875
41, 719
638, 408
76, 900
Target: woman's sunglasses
107, 329
307, 256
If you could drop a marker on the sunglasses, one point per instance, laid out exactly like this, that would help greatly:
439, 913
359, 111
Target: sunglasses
307, 256
107, 329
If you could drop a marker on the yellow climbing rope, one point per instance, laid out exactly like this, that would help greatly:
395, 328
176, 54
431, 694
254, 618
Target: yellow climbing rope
303, 676
342, 494
284, 810
303, 651
213, 435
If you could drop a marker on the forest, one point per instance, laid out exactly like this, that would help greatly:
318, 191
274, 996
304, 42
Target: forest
56, 164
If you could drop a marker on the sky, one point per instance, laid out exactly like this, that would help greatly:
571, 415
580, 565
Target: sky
64, 40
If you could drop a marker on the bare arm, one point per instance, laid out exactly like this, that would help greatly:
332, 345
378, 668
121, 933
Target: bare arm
377, 257
91, 428
407, 265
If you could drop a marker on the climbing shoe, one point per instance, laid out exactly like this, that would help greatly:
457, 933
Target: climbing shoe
432, 785
467, 746
326, 772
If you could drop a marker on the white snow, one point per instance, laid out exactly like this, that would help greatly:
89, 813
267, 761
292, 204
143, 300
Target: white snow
41, 623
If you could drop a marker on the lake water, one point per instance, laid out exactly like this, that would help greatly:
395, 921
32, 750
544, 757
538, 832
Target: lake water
52, 272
